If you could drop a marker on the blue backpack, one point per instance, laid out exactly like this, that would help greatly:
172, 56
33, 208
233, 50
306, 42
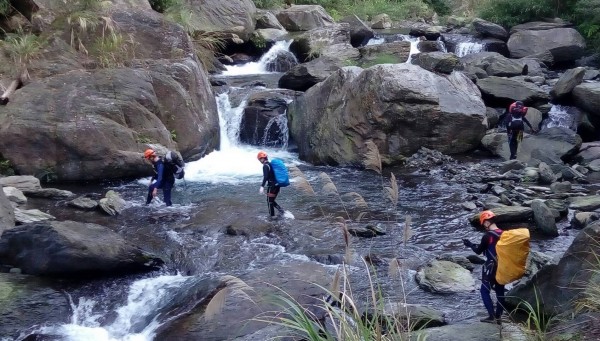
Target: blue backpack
282, 178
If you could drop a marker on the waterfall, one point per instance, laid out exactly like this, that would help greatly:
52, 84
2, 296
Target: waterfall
137, 320
467, 47
561, 116
229, 121
284, 135
260, 67
414, 45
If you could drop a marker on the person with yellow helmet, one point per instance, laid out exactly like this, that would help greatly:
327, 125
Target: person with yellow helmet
162, 178
272, 187
488, 273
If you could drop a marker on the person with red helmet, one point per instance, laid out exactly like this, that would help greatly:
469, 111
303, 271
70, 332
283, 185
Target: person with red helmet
162, 178
488, 273
272, 188
515, 126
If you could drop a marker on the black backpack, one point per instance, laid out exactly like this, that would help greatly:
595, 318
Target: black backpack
515, 120
175, 164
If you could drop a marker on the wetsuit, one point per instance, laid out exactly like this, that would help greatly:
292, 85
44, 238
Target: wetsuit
515, 128
488, 273
165, 180
272, 189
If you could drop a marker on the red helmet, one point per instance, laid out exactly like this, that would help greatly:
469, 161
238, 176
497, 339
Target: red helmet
149, 153
485, 215
261, 155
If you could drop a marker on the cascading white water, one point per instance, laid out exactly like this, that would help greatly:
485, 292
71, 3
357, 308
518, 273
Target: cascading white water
260, 67
559, 116
468, 47
137, 320
414, 45
284, 135
375, 41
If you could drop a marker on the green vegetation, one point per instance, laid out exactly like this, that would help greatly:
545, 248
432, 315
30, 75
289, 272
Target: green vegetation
383, 58
4, 7
537, 322
512, 12
6, 167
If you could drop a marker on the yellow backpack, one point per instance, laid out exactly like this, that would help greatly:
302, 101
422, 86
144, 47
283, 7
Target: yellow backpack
512, 250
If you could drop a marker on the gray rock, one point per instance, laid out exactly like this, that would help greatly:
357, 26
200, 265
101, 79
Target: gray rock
381, 21
560, 187
398, 51
512, 214
418, 315
310, 45
565, 44
31, 216
540, 26
267, 20
84, 203
235, 16
477, 331
583, 219
437, 61
37, 297
488, 29
360, 33
445, 277
508, 90
23, 183
7, 213
511, 165
14, 195
546, 174
591, 75
458, 259
49, 193
112, 203
469, 206
304, 17
587, 97
72, 248
587, 203
544, 218
567, 82
494, 64
560, 206
350, 92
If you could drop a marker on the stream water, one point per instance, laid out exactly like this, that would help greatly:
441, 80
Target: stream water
221, 192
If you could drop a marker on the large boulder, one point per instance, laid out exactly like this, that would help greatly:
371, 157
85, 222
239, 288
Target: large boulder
437, 61
264, 121
70, 248
360, 33
398, 107
557, 141
231, 16
304, 17
567, 82
267, 20
503, 91
93, 125
540, 26
506, 214
558, 288
310, 45
7, 212
493, 63
445, 277
303, 76
565, 44
587, 97
489, 29
26, 301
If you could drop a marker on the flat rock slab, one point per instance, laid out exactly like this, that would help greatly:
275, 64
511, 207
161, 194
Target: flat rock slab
31, 216
476, 331
445, 277
588, 203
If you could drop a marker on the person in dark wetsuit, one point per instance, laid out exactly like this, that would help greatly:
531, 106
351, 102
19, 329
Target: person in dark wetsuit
515, 125
488, 273
164, 177
272, 188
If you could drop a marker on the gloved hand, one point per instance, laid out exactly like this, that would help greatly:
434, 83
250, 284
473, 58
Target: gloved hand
261, 190
467, 243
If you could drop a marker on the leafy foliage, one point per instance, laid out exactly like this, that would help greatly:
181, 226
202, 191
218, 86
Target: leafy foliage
587, 16
512, 12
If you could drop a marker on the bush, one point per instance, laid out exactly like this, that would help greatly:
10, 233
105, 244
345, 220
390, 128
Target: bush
587, 16
161, 5
512, 12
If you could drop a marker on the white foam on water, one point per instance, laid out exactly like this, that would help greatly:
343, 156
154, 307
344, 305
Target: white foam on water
468, 47
259, 67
